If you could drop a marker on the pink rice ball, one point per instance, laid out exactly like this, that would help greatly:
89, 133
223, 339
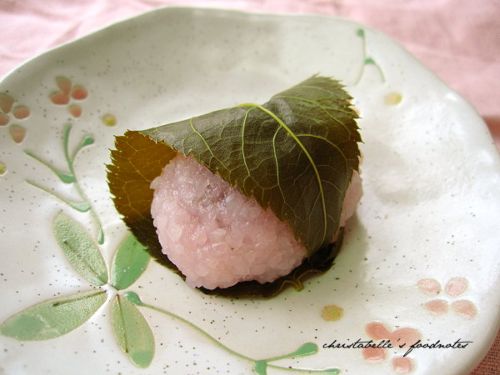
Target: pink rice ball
216, 236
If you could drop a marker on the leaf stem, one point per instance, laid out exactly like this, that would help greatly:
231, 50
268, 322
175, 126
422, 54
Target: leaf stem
79, 206
381, 72
65, 177
293, 369
361, 34
70, 161
224, 347
367, 60
59, 303
122, 318
70, 178
93, 214
199, 330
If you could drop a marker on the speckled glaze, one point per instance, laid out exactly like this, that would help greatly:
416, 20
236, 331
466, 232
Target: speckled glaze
419, 260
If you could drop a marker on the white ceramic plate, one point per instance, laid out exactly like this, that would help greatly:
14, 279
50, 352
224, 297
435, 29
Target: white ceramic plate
421, 259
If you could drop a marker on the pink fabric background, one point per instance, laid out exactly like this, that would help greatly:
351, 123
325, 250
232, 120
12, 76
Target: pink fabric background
458, 39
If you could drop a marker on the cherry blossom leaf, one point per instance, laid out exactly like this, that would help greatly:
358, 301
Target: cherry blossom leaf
295, 154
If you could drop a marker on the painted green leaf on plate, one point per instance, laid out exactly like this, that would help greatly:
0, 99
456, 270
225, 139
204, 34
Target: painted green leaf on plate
80, 249
130, 261
332, 371
133, 297
53, 318
261, 367
308, 348
132, 332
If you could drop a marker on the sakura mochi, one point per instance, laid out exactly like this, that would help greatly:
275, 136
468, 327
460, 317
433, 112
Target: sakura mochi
218, 237
254, 194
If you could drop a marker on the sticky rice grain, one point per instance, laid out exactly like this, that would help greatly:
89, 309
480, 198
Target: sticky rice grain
215, 235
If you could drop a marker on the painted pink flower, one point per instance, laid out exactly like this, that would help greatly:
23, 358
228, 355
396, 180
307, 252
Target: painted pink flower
400, 339
67, 93
11, 111
454, 288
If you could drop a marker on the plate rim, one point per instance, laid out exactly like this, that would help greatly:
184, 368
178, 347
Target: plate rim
490, 335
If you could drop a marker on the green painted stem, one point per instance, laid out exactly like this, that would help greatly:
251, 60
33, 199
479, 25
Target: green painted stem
362, 70
360, 74
293, 369
70, 178
373, 62
63, 176
79, 206
87, 140
277, 358
224, 347
100, 231
382, 76
122, 318
69, 161
77, 299
199, 330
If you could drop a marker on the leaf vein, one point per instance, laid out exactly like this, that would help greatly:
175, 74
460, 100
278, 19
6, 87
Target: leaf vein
305, 151
243, 140
205, 142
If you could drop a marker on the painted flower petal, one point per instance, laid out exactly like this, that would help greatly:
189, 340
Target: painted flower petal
21, 112
402, 365
79, 92
64, 84
456, 286
406, 336
59, 98
75, 110
374, 354
17, 133
465, 308
437, 306
6, 102
377, 331
430, 287
4, 119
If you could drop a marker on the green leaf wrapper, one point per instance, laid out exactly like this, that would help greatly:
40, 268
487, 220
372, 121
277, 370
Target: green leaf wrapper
295, 154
